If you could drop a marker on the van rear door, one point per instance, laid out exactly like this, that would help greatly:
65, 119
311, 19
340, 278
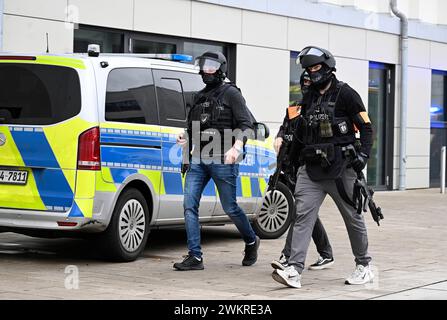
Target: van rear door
39, 132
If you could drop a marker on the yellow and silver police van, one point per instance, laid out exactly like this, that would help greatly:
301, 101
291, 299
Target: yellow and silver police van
88, 147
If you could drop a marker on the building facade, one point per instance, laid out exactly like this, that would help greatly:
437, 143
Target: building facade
262, 39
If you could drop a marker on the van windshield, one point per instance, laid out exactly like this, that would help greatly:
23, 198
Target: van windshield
38, 94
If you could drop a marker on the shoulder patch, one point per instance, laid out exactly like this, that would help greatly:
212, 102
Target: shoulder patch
293, 112
364, 116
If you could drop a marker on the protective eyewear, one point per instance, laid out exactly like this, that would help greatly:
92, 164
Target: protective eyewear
207, 65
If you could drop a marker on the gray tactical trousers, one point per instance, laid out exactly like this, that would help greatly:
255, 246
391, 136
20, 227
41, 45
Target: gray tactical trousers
309, 196
319, 236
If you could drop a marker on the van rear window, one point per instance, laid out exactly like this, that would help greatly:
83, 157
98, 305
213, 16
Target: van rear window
38, 94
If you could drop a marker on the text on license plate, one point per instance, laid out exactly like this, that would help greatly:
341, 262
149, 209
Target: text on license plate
13, 176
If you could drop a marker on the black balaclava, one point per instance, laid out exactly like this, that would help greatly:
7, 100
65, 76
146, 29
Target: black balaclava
213, 79
304, 77
321, 78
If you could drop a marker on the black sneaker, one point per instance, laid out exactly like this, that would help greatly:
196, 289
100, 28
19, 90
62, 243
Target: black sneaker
281, 263
189, 263
251, 253
322, 263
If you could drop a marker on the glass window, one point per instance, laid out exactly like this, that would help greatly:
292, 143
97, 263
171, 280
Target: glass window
143, 46
170, 98
438, 124
195, 49
191, 83
438, 101
131, 96
295, 94
110, 42
38, 94
377, 111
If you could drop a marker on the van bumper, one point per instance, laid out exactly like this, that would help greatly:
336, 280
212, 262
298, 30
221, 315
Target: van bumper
45, 220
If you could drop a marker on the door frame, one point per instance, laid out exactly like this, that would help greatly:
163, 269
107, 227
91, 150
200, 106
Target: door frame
389, 122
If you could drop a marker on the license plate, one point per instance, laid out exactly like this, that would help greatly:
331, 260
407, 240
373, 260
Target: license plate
13, 176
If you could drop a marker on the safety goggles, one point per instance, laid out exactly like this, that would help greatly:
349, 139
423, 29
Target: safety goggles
207, 65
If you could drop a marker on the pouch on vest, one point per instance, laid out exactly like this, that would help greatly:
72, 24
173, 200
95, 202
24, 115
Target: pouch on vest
323, 161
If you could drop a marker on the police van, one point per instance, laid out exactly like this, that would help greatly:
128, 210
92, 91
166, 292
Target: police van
88, 147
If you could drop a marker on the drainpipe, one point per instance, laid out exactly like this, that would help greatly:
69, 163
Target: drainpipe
403, 94
1, 24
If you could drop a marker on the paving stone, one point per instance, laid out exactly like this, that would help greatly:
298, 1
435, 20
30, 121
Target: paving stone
406, 251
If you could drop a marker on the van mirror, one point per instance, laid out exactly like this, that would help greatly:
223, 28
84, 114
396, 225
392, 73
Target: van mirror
262, 132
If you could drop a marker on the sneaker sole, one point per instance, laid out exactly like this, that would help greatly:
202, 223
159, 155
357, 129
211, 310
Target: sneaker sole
277, 266
370, 280
189, 268
283, 281
327, 265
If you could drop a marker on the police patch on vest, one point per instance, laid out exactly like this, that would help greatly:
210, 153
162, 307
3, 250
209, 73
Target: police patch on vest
204, 117
206, 104
343, 127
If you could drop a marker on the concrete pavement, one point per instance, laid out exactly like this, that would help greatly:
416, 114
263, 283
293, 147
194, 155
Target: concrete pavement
408, 250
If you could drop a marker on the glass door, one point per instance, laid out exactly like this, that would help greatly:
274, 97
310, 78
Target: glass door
438, 124
381, 110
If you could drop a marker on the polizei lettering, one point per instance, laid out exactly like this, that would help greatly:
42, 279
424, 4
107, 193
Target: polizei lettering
185, 310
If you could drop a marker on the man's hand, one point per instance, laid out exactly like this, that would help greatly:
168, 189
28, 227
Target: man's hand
231, 155
181, 140
359, 163
277, 144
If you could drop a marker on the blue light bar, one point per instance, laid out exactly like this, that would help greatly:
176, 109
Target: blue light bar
171, 57
435, 109
181, 57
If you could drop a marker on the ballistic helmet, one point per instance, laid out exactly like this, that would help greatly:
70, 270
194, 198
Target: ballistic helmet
311, 56
211, 62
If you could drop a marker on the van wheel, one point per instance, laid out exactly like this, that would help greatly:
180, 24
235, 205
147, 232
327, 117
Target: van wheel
276, 213
126, 236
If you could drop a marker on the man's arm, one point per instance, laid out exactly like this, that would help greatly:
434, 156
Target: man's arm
357, 112
280, 136
241, 115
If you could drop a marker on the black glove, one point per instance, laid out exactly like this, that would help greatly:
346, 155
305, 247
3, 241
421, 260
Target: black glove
185, 168
359, 162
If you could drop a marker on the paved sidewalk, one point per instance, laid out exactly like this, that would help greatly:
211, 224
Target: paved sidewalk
408, 250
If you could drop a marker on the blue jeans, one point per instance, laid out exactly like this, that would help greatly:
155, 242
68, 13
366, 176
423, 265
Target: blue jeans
224, 176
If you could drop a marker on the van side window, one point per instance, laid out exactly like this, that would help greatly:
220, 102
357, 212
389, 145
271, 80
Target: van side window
130, 96
171, 102
192, 83
175, 92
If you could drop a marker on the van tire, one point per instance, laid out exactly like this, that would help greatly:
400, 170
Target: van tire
131, 210
277, 207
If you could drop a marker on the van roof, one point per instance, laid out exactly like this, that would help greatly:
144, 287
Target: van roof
71, 58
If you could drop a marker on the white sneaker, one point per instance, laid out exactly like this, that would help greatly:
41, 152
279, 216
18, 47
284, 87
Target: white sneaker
289, 277
361, 275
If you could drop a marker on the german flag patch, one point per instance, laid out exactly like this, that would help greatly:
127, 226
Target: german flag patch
364, 116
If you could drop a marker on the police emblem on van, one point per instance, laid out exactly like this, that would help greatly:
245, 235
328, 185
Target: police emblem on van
343, 127
2, 139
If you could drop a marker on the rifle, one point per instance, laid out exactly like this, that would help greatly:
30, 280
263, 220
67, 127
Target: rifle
283, 150
363, 194
186, 153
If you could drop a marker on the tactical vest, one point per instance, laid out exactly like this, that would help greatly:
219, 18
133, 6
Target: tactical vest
213, 116
324, 136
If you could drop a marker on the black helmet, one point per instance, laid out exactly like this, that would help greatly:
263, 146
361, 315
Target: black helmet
311, 56
212, 60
